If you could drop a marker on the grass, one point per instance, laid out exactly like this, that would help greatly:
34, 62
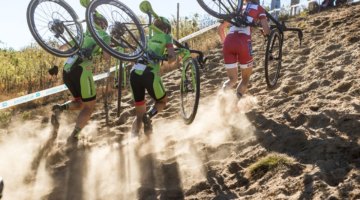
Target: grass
268, 163
5, 118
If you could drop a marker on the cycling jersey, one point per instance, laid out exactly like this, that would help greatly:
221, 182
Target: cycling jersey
252, 13
89, 49
158, 42
77, 74
237, 45
146, 76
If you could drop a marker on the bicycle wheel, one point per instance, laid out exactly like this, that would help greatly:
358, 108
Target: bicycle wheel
273, 56
189, 90
124, 28
55, 26
223, 9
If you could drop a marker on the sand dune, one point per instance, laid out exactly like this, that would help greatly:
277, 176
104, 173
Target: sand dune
311, 119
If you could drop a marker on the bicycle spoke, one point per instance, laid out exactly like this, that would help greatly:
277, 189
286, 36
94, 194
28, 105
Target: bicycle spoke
53, 24
127, 36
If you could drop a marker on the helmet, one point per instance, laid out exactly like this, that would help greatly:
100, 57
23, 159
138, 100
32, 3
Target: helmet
163, 24
100, 20
85, 3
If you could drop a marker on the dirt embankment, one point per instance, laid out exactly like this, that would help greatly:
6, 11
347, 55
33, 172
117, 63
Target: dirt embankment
310, 120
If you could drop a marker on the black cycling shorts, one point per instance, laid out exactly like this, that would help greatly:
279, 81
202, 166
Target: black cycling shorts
80, 82
149, 81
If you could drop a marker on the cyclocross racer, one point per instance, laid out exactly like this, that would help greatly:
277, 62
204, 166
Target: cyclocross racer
145, 75
238, 48
78, 77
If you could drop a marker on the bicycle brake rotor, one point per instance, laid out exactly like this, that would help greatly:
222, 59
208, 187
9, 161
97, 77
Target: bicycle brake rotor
56, 27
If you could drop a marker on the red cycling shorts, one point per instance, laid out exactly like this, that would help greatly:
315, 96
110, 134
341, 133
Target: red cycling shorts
237, 49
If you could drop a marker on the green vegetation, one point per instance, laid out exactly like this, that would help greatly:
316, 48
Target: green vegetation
5, 118
25, 70
269, 163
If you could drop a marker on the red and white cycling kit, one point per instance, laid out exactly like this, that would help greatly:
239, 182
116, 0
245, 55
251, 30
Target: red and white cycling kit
237, 45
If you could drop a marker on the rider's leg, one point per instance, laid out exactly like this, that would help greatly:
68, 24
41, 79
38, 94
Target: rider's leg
84, 116
246, 63
232, 73
245, 78
140, 110
156, 90
230, 52
157, 107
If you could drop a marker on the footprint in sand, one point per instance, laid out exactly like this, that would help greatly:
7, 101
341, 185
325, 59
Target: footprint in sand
332, 55
333, 47
353, 39
323, 25
337, 75
343, 86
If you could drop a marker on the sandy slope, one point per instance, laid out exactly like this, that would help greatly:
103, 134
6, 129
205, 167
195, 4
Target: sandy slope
312, 116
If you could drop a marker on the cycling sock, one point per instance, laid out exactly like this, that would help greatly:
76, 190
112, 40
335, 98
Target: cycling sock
152, 112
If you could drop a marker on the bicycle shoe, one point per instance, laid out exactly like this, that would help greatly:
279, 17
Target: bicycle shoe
55, 121
147, 125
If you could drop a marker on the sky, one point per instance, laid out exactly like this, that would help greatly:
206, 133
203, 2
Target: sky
15, 33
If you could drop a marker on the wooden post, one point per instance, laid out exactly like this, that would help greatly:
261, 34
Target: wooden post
120, 81
178, 22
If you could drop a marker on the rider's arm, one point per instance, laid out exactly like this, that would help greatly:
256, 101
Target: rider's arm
106, 56
265, 25
263, 20
221, 30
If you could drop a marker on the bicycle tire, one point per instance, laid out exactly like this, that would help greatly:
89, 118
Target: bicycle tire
124, 28
223, 10
273, 56
54, 24
189, 86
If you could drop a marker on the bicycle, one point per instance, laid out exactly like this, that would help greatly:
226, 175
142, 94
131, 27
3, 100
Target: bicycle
57, 29
232, 11
126, 31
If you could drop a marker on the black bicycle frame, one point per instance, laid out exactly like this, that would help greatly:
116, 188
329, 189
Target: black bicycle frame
282, 28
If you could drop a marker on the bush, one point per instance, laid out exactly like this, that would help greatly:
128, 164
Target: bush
5, 119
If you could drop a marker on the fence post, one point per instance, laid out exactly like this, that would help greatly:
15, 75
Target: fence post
177, 22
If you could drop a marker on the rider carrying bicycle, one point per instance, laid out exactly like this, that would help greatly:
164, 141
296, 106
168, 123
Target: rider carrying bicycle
78, 77
145, 75
237, 46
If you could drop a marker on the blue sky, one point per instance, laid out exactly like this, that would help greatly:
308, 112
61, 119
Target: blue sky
15, 33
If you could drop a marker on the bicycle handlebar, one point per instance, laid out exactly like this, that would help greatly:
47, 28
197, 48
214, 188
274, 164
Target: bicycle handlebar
201, 59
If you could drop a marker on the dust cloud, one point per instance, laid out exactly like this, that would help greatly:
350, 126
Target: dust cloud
35, 164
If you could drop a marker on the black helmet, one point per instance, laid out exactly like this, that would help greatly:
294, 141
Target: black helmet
100, 20
163, 24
